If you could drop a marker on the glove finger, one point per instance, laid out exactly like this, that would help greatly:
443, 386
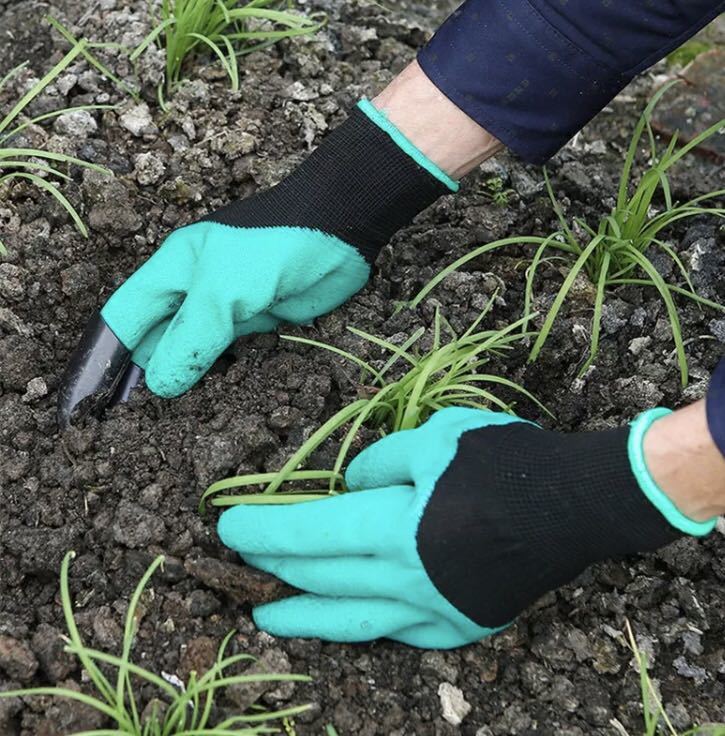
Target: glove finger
198, 334
351, 524
258, 323
387, 462
353, 577
152, 293
336, 619
145, 349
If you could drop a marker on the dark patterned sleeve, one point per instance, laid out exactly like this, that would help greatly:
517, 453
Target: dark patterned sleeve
533, 72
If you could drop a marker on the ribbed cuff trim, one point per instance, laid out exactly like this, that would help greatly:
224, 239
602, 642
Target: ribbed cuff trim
649, 487
381, 120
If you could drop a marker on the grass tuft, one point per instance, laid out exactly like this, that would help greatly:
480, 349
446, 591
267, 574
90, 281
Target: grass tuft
177, 712
36, 165
224, 28
451, 373
617, 251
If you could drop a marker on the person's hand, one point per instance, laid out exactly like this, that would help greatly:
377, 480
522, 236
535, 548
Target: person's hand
288, 254
451, 529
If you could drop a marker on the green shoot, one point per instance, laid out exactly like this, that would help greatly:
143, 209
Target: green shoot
184, 712
655, 716
616, 251
495, 190
35, 165
450, 374
224, 28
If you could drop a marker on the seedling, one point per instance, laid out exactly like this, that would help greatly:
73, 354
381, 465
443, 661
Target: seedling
496, 191
656, 719
449, 373
177, 712
188, 27
616, 251
32, 164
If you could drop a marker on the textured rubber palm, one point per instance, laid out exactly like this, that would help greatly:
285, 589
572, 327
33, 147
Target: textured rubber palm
221, 282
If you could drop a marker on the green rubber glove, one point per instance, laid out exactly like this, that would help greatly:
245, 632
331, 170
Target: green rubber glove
454, 528
288, 254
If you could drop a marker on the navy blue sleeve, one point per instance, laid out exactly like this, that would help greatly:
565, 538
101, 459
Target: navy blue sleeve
715, 404
533, 72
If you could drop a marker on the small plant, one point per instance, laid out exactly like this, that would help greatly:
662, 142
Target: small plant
178, 712
224, 27
656, 719
32, 164
496, 191
449, 373
615, 252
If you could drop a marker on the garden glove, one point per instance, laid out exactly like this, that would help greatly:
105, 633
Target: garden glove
451, 529
288, 254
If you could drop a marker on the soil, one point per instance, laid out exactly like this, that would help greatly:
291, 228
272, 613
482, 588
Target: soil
125, 488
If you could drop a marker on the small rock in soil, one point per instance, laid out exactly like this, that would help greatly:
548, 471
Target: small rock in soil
454, 706
136, 527
17, 659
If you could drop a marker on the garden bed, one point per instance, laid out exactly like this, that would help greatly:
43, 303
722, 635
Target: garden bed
122, 490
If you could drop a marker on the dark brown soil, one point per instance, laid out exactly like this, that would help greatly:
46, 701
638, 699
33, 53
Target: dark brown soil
121, 490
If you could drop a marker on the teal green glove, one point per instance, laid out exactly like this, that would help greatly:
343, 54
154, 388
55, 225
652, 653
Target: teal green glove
288, 254
457, 526
221, 284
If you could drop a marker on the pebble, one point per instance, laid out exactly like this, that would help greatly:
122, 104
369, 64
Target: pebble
78, 124
454, 706
17, 659
691, 671
638, 344
137, 121
36, 388
149, 168
12, 281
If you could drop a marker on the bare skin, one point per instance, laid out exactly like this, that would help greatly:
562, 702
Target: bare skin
686, 463
443, 132
679, 450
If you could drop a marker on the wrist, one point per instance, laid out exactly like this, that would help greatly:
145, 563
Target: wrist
428, 118
683, 461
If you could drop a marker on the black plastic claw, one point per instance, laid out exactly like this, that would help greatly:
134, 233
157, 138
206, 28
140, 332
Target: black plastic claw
100, 373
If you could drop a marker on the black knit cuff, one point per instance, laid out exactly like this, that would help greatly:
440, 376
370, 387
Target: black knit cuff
359, 186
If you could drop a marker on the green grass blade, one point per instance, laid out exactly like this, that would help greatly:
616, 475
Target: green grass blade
664, 291
597, 317
475, 253
561, 296
337, 351
56, 193
40, 85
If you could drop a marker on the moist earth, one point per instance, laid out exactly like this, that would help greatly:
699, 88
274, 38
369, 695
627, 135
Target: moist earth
122, 489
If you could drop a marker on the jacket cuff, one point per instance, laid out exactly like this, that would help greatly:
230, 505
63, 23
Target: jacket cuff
534, 72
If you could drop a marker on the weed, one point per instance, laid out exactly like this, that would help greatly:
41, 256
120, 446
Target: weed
179, 712
449, 373
494, 189
656, 719
188, 27
32, 164
615, 252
